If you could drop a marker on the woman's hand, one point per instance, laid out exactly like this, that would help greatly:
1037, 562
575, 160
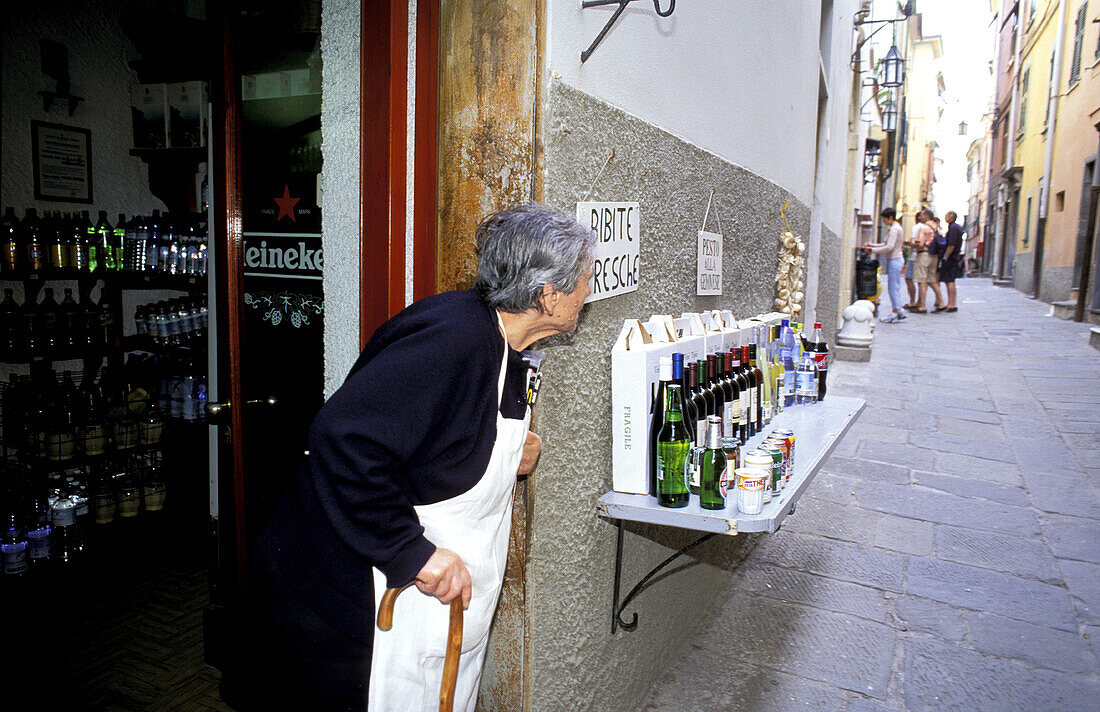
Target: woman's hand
531, 449
445, 577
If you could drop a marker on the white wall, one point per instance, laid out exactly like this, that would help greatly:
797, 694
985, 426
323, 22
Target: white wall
738, 79
98, 51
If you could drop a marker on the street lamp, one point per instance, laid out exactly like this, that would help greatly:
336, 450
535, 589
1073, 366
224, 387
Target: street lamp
891, 69
889, 118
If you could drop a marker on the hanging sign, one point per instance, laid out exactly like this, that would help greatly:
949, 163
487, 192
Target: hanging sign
709, 265
618, 231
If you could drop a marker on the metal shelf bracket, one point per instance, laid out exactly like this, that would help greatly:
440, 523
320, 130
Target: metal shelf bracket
614, 18
618, 607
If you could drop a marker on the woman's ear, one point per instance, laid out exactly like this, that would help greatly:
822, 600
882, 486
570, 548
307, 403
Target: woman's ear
549, 298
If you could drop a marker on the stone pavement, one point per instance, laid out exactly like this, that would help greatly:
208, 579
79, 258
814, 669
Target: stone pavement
948, 555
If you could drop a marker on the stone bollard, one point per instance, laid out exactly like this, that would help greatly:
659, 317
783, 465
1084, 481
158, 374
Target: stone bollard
853, 341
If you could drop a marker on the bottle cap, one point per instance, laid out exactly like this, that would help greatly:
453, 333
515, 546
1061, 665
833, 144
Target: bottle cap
665, 373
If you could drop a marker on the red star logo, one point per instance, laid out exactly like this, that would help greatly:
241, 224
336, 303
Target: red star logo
286, 205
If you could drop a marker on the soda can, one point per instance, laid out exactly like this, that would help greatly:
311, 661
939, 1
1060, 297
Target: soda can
783, 445
762, 462
789, 435
776, 452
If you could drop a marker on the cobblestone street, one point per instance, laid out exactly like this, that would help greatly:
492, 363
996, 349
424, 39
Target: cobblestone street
948, 555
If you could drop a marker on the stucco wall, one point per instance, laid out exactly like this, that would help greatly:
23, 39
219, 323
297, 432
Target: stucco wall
340, 186
575, 662
699, 75
98, 51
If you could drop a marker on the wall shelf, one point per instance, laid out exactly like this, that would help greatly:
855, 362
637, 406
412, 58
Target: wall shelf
818, 428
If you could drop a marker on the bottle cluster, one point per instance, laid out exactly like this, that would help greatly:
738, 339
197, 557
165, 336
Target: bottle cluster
705, 412
50, 328
177, 384
71, 243
174, 322
47, 419
47, 520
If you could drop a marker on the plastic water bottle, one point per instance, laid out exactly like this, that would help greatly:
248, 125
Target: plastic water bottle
786, 356
806, 388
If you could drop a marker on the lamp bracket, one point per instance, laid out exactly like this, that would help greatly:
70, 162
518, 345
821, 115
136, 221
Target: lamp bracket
585, 4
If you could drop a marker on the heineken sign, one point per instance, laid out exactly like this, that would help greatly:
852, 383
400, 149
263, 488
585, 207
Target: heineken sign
286, 255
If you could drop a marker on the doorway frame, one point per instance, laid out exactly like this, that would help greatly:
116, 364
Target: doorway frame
383, 136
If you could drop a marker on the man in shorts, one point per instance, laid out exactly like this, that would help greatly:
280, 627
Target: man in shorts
951, 263
924, 266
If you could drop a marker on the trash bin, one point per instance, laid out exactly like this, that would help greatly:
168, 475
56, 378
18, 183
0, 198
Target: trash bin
866, 276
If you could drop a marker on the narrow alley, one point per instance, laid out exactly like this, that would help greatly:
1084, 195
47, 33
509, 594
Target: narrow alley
948, 555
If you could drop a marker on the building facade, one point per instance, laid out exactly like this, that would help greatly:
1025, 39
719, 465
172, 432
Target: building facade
413, 120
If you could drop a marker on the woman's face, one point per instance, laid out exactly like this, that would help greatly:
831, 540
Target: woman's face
568, 307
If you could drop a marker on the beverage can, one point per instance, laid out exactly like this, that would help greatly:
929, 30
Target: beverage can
776, 453
789, 435
785, 447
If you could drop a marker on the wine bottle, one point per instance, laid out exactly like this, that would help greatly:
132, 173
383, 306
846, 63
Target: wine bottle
758, 396
673, 445
70, 322
34, 251
118, 241
678, 374
715, 386
50, 322
53, 236
9, 249
658, 407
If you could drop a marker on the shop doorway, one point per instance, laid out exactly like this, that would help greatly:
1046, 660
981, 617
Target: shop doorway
148, 429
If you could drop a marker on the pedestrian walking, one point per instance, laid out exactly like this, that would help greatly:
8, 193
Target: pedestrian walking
892, 249
951, 262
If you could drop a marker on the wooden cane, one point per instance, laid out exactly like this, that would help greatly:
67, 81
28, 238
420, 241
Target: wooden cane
454, 643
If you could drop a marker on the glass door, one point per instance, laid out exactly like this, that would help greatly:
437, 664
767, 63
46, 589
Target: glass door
270, 308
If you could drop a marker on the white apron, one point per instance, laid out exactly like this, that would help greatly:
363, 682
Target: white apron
407, 662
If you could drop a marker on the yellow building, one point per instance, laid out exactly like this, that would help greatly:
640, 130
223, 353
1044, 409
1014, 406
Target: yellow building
922, 105
1074, 160
1033, 117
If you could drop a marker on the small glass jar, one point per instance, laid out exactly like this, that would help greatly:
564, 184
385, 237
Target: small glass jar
731, 447
750, 490
57, 443
125, 433
92, 438
104, 503
151, 428
129, 497
154, 492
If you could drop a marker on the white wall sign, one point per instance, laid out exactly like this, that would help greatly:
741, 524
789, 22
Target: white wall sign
709, 266
618, 229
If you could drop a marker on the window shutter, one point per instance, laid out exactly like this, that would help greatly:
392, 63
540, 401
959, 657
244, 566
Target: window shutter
1078, 40
1022, 119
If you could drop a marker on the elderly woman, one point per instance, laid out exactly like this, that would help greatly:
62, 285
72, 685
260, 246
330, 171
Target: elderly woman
410, 476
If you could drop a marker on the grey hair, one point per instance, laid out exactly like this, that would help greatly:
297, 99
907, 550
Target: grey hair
521, 249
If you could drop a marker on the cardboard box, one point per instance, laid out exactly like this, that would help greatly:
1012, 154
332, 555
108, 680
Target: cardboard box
148, 111
187, 114
635, 370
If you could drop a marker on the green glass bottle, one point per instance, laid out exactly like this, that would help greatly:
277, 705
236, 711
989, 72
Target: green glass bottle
673, 446
713, 484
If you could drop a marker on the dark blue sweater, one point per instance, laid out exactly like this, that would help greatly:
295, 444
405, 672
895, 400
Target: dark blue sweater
413, 424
